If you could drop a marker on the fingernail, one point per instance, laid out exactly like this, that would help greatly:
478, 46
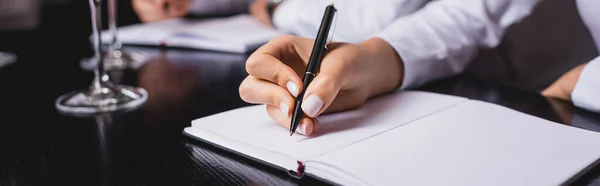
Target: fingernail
284, 108
293, 88
312, 105
301, 129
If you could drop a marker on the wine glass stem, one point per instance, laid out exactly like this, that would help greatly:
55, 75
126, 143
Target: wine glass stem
112, 23
100, 76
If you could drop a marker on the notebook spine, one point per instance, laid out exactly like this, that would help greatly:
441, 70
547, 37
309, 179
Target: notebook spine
299, 173
163, 42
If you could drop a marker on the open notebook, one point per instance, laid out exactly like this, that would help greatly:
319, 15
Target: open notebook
412, 138
236, 34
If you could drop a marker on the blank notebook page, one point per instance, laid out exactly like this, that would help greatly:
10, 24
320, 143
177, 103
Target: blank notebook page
237, 29
473, 143
252, 126
240, 30
148, 33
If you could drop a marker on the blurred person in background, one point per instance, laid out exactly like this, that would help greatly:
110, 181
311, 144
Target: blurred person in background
356, 19
155, 10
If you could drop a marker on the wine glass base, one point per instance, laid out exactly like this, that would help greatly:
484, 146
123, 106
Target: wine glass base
94, 101
7, 58
116, 60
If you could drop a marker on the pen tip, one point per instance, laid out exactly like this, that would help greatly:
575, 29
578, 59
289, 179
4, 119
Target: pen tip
291, 133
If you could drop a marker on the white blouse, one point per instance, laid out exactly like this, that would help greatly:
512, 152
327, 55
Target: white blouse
437, 39
587, 90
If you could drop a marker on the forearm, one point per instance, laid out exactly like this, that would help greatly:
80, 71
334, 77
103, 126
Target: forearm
219, 6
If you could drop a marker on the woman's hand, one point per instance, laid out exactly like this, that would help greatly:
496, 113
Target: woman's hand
154, 10
349, 75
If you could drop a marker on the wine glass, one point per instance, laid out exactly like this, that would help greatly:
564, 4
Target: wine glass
103, 95
115, 57
7, 58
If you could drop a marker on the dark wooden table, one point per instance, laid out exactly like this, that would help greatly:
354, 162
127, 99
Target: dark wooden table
39, 146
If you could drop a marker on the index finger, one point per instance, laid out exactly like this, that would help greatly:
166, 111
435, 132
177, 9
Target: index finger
274, 62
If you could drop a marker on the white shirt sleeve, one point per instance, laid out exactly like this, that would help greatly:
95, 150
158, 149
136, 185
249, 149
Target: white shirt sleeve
590, 15
219, 6
439, 40
355, 20
586, 94
587, 90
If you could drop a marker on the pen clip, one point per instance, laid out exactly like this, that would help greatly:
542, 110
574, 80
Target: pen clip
333, 32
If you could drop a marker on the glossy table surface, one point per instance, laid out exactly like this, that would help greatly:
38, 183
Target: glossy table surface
40, 146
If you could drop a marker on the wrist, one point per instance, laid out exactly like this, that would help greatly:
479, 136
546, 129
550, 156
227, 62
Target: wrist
570, 81
384, 68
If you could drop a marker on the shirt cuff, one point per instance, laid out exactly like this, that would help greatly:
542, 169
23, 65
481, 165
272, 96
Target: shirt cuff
586, 94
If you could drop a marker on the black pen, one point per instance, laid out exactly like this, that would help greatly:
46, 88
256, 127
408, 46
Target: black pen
314, 63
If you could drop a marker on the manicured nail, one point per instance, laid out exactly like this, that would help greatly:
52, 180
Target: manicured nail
301, 129
293, 88
284, 108
312, 105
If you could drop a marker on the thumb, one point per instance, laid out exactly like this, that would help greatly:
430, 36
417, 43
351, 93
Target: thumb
320, 94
